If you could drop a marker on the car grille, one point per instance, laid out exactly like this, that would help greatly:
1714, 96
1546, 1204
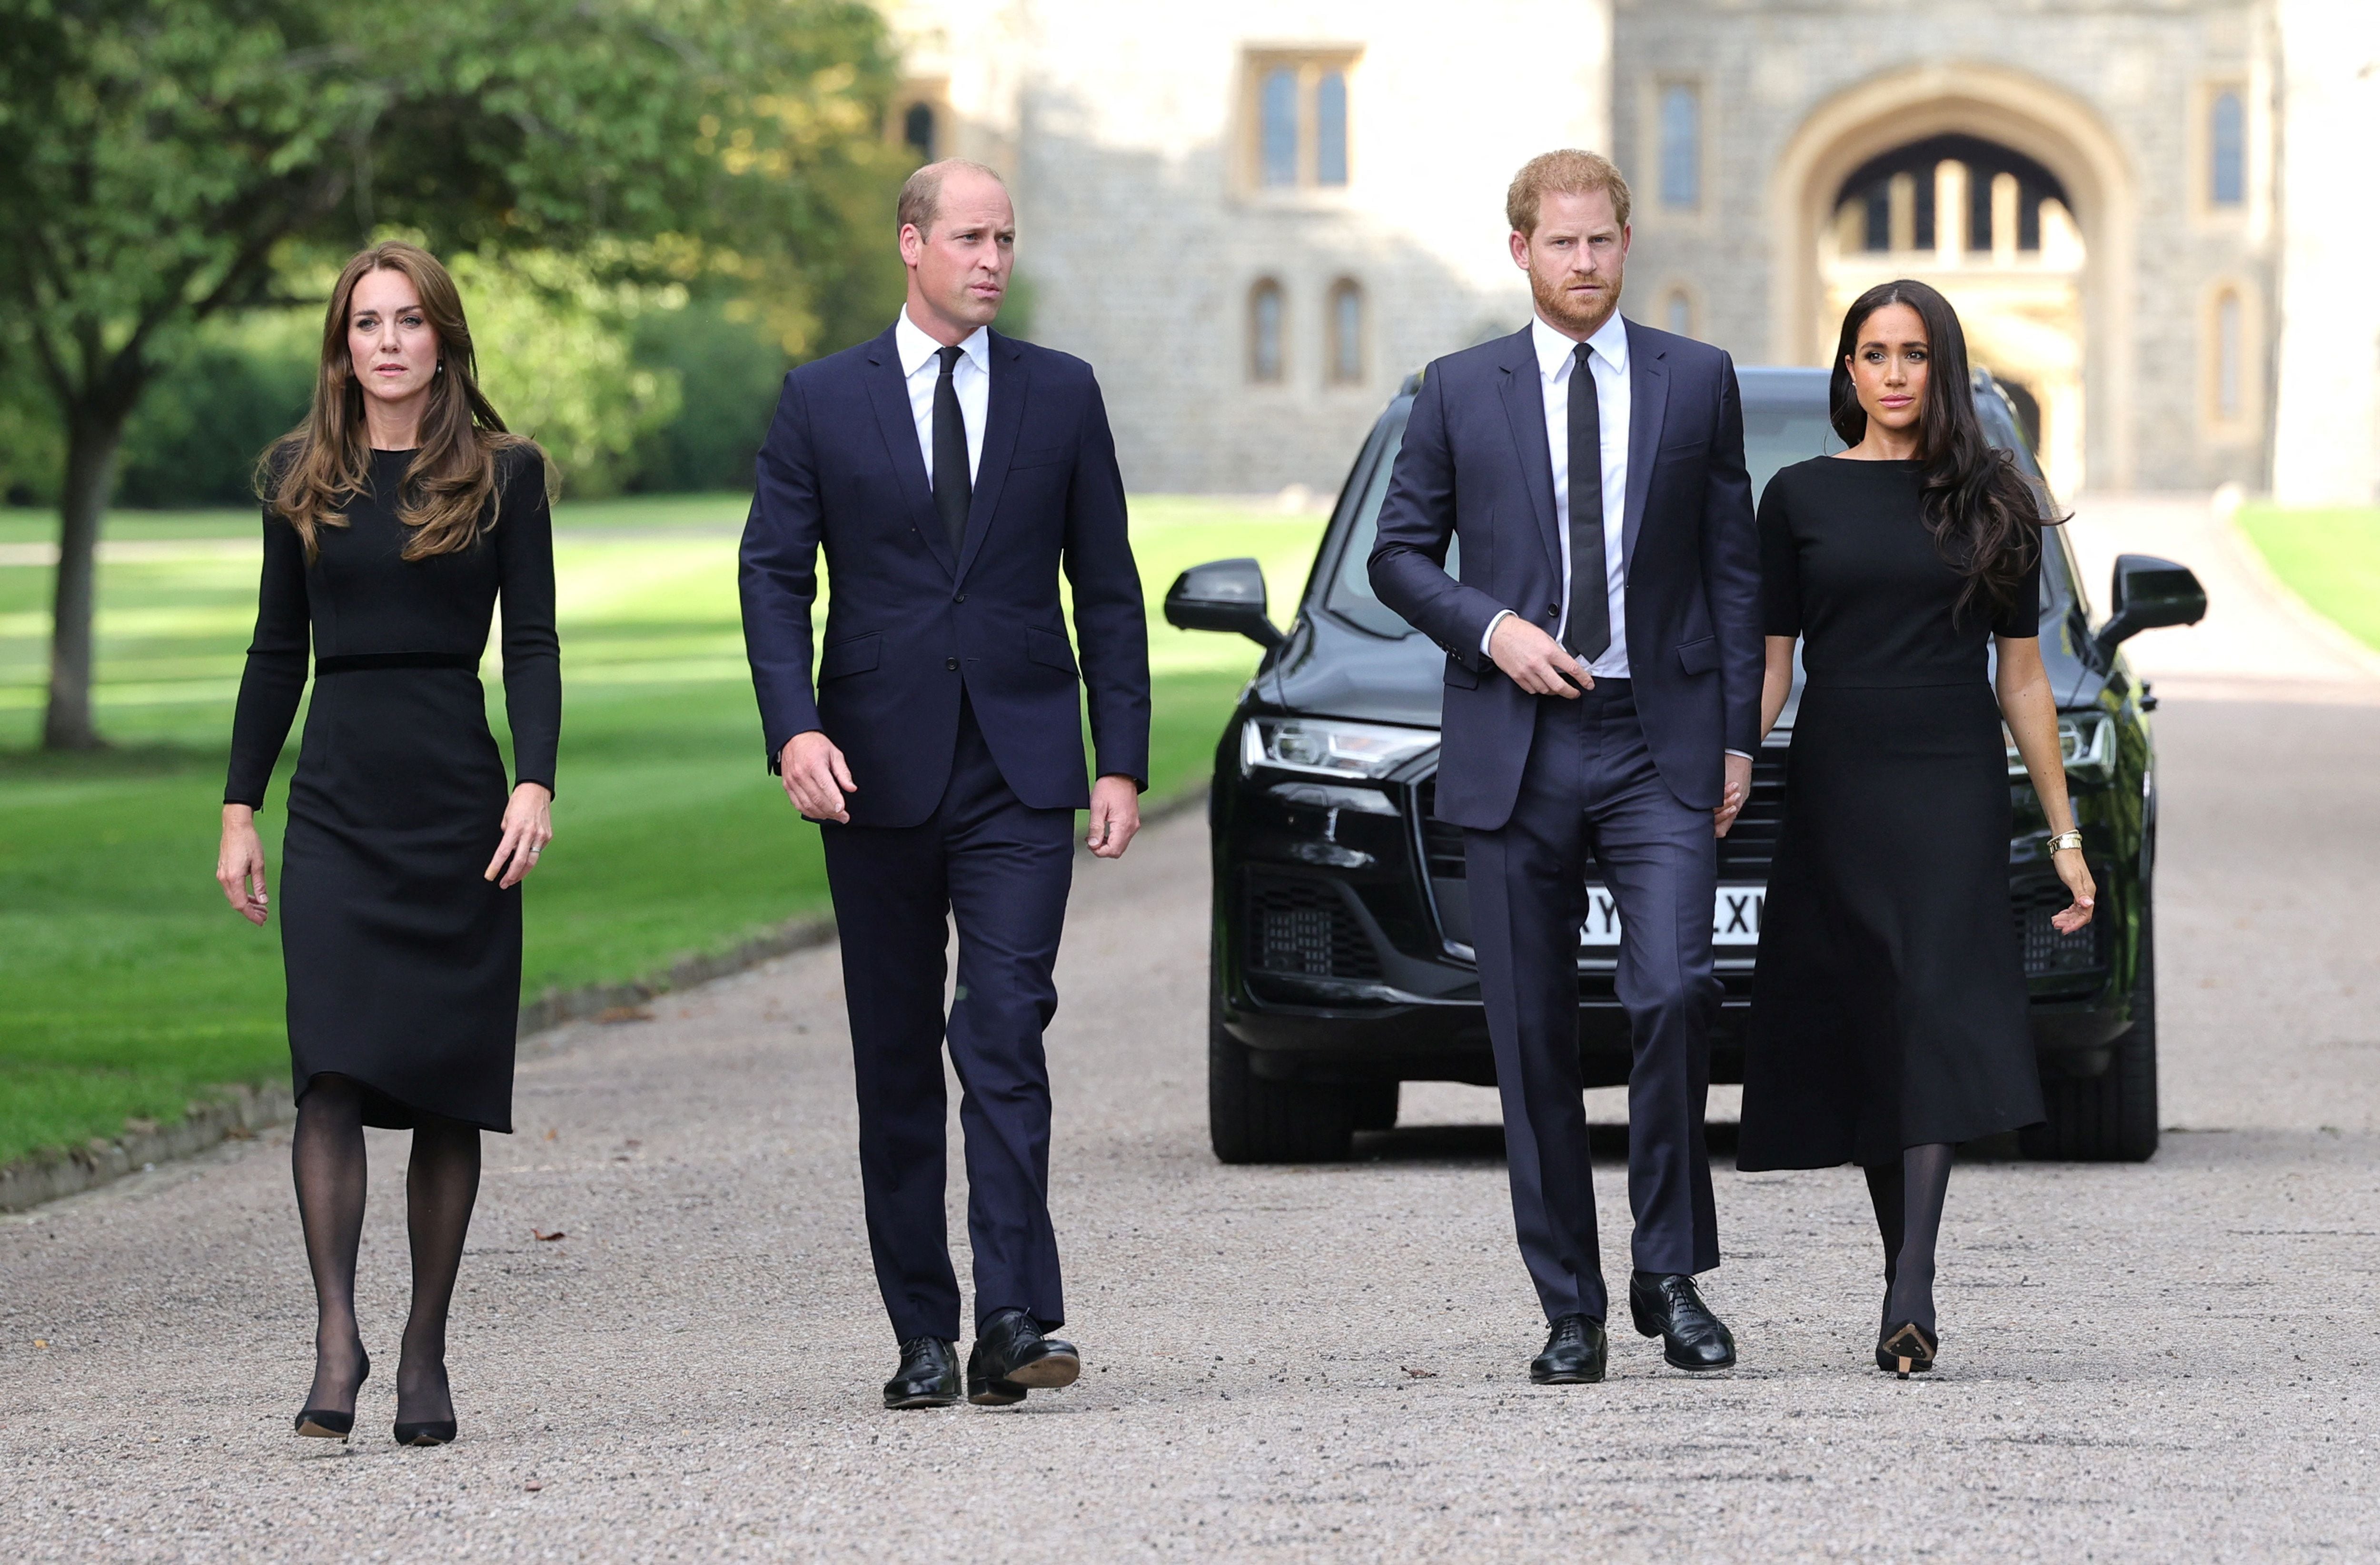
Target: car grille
2047, 953
1744, 853
1303, 928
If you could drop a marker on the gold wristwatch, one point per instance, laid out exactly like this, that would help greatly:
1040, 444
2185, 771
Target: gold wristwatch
2066, 839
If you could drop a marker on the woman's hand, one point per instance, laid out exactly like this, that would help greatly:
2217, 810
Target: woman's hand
528, 827
2030, 711
2077, 876
240, 864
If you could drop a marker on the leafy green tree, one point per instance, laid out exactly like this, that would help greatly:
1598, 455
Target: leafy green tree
161, 160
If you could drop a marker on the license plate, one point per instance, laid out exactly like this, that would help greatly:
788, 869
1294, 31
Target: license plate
1735, 917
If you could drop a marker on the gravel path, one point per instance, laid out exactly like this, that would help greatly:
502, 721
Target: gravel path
2141, 1362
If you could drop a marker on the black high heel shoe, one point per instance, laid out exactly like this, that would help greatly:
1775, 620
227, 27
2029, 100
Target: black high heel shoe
426, 1431
1906, 1350
322, 1423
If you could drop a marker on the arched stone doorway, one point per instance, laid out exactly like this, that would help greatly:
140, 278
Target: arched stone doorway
1993, 229
2003, 191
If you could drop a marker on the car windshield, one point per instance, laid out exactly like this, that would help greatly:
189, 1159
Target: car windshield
1784, 422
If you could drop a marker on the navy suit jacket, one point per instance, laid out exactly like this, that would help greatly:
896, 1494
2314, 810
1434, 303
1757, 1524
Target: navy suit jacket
1474, 465
908, 625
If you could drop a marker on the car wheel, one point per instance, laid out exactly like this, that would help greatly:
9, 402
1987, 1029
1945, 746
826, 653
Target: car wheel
1375, 1105
2111, 1118
1250, 1119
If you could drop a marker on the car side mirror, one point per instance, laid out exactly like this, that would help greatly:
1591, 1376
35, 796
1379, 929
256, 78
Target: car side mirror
1224, 594
2148, 592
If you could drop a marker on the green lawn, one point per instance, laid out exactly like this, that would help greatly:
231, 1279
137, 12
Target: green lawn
2330, 557
131, 987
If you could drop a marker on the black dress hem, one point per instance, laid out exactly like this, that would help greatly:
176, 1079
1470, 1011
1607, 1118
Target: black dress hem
383, 1110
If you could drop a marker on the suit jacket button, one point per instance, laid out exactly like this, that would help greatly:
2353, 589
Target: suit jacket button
959, 599
952, 664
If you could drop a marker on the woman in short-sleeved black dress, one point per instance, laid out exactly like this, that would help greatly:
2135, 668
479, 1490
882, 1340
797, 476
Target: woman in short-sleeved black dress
1888, 1016
396, 521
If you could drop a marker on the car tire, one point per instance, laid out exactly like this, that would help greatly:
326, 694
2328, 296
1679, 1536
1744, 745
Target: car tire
2111, 1118
1375, 1105
1250, 1119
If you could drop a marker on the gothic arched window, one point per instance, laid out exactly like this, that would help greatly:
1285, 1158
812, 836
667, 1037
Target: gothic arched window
1346, 344
918, 130
2227, 144
1682, 146
1264, 311
1331, 128
1278, 128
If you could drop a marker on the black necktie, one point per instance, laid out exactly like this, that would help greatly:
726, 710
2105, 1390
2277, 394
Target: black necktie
952, 487
1588, 632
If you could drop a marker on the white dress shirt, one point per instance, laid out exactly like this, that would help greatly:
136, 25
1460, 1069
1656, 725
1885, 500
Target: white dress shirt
1607, 362
922, 368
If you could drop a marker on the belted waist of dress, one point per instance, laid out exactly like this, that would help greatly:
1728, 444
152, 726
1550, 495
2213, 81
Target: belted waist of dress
360, 662
1916, 680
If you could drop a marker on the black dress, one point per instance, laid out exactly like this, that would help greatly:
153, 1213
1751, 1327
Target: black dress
1889, 1007
404, 963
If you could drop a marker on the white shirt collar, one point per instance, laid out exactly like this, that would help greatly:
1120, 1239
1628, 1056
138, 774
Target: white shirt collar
1610, 339
917, 349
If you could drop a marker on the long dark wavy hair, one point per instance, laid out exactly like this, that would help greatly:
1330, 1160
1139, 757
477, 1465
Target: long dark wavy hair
1985, 515
310, 475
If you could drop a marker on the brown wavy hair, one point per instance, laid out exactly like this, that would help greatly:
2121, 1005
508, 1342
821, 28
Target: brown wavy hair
1985, 515
449, 494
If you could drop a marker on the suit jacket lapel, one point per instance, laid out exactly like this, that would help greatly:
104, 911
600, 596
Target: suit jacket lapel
889, 390
1648, 403
1003, 416
1524, 410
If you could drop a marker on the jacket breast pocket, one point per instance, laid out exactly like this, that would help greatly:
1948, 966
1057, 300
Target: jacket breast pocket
1044, 456
1460, 677
1700, 656
856, 654
1049, 649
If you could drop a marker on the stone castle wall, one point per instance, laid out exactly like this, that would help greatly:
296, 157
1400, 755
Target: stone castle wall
1123, 129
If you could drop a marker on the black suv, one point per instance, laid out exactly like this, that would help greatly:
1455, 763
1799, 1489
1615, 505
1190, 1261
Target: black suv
1341, 959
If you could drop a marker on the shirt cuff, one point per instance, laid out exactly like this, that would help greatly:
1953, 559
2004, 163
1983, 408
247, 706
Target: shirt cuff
1746, 755
1490, 634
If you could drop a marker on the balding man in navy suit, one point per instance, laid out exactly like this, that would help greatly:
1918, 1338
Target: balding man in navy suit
1603, 671
950, 475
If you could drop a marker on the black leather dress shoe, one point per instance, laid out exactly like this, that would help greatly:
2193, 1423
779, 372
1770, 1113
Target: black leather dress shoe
1574, 1355
1010, 1347
986, 1391
929, 1375
1668, 1305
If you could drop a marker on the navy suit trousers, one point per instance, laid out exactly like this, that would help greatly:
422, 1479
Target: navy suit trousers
1590, 790
1001, 869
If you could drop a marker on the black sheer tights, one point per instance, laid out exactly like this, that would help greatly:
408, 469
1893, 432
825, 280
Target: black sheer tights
1907, 1198
441, 1183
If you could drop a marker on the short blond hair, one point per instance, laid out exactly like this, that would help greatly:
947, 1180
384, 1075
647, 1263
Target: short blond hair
1568, 172
921, 193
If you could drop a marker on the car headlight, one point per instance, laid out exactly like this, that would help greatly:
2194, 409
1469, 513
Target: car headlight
2086, 742
1330, 747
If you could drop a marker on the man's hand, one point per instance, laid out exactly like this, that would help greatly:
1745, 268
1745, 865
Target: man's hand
816, 778
1115, 815
1738, 790
1536, 661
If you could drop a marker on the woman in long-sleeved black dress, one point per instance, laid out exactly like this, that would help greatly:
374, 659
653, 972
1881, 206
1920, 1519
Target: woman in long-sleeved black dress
394, 519
1888, 1007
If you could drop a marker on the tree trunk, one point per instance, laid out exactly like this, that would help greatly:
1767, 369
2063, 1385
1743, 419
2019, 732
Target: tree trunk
93, 441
